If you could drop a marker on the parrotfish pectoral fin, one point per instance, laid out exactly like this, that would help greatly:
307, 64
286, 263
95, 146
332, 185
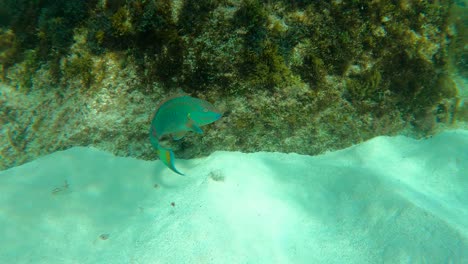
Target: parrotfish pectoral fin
167, 157
196, 128
193, 126
178, 135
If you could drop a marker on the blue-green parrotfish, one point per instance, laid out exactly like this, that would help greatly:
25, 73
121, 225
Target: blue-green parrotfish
175, 117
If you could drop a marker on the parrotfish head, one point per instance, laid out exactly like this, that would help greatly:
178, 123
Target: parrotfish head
205, 117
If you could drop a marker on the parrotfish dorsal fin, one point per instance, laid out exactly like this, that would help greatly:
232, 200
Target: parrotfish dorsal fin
162, 102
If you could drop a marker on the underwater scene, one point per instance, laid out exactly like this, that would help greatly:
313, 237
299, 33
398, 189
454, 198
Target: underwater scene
233, 131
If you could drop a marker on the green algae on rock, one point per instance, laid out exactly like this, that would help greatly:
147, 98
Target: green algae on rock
292, 76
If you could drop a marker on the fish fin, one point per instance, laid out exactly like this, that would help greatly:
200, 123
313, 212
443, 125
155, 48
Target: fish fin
167, 157
178, 135
154, 138
196, 129
193, 126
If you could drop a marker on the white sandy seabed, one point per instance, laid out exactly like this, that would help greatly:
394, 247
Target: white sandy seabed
388, 200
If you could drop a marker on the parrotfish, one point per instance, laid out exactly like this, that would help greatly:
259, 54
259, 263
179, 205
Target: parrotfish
175, 117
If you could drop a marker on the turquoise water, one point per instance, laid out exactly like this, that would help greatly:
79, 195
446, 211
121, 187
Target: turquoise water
327, 131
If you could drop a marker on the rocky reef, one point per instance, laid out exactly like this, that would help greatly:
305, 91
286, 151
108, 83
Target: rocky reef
291, 76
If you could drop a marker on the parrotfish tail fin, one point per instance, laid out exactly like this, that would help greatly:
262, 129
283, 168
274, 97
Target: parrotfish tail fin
167, 157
